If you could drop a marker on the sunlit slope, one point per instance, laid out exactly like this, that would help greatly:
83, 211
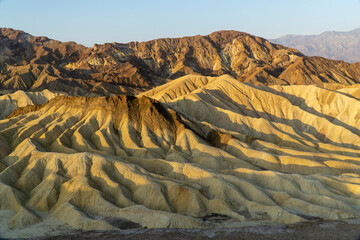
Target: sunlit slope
12, 101
31, 63
308, 118
214, 146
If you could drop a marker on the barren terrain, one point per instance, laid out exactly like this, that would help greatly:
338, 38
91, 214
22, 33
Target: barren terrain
198, 152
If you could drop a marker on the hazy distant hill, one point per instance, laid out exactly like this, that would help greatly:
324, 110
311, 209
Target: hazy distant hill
36, 63
333, 45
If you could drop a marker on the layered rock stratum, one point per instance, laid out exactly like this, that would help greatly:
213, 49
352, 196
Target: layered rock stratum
332, 45
196, 152
32, 63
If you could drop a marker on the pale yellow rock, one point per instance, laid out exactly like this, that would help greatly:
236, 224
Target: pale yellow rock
22, 219
75, 218
280, 154
12, 101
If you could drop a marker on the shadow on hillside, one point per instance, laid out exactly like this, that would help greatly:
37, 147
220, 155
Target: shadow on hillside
300, 102
298, 126
96, 198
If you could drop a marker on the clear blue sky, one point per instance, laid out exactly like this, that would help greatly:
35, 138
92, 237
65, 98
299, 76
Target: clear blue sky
98, 21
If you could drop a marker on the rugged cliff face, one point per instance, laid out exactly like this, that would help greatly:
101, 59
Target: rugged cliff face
37, 63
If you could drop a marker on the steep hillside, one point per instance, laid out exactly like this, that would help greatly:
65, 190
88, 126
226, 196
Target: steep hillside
195, 152
333, 45
38, 63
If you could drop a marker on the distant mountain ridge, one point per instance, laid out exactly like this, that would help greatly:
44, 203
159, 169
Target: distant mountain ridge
331, 44
36, 63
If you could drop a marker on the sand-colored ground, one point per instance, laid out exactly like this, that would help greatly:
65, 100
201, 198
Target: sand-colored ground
213, 152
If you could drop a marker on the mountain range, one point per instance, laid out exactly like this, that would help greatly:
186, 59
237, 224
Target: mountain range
36, 63
219, 131
332, 45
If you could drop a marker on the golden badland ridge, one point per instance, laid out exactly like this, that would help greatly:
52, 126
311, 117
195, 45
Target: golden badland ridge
36, 63
184, 151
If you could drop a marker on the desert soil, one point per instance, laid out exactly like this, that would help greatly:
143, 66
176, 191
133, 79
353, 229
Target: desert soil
345, 229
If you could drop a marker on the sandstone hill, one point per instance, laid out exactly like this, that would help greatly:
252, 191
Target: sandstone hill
333, 45
36, 63
196, 152
9, 102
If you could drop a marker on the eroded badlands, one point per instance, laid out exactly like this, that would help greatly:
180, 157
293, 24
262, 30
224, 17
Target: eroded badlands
183, 152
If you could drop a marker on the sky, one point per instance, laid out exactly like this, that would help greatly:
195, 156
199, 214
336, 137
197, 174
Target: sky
99, 21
